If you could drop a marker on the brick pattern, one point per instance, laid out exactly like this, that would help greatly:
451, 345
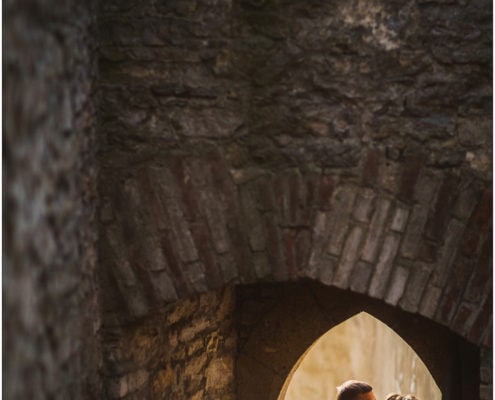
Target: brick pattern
279, 226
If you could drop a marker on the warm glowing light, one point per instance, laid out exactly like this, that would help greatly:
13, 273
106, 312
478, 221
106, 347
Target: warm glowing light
361, 348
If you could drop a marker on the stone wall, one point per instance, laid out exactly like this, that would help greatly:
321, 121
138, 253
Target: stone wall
183, 351
348, 142
50, 310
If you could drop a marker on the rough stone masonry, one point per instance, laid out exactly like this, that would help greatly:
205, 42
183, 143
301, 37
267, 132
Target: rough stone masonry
349, 142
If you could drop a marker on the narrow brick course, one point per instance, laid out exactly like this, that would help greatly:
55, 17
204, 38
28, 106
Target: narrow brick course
376, 229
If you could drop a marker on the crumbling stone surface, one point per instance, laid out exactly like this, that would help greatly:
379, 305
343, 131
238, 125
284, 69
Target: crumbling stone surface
183, 351
347, 142
50, 310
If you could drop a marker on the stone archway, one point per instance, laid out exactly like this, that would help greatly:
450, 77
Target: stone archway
277, 323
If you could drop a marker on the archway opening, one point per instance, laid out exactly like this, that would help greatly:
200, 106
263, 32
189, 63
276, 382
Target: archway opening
363, 348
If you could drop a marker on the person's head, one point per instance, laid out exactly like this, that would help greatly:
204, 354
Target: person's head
396, 396
355, 390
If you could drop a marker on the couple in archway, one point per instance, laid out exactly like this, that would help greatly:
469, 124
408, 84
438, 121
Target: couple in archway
357, 390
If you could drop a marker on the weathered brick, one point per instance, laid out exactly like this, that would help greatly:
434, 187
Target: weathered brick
399, 219
478, 224
254, 223
325, 191
194, 275
204, 246
371, 167
228, 266
437, 223
303, 246
414, 231
469, 193
430, 301
364, 205
409, 177
376, 229
183, 180
397, 285
342, 205
384, 265
163, 286
350, 255
174, 264
319, 240
463, 319
427, 188
389, 178
327, 270
290, 253
274, 249
448, 252
416, 285
311, 182
126, 278
483, 319
360, 277
181, 232
482, 274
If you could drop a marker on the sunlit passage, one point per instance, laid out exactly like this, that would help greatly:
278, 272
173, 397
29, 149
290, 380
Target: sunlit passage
361, 348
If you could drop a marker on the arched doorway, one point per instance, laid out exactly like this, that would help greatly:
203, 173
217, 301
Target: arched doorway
363, 348
277, 323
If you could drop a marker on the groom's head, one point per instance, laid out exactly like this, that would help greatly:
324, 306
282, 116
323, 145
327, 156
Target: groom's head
355, 390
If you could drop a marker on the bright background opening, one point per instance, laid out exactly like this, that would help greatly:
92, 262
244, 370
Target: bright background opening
361, 348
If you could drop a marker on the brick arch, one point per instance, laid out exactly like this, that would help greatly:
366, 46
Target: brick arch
419, 238
279, 322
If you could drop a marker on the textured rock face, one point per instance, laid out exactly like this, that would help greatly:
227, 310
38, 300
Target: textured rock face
184, 351
50, 312
348, 142
301, 83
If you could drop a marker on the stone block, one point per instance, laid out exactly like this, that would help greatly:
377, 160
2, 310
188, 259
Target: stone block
326, 269
350, 255
399, 220
448, 252
228, 267
319, 239
419, 276
254, 223
371, 167
274, 249
325, 191
468, 195
194, 275
427, 187
478, 224
180, 231
482, 274
429, 304
463, 318
414, 232
364, 205
397, 285
383, 267
409, 177
207, 123
342, 205
389, 178
376, 229
360, 277
163, 286
437, 223
482, 324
